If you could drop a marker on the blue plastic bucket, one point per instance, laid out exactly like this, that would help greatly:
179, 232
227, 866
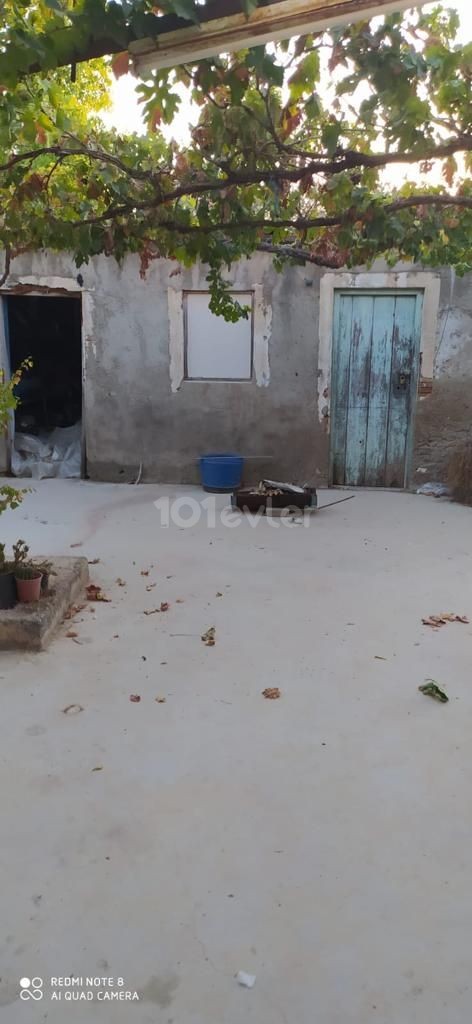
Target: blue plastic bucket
221, 472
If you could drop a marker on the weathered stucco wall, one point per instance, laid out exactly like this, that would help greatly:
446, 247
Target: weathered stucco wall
133, 416
135, 412
444, 417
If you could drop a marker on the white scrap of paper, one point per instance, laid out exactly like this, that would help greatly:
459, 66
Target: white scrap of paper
247, 980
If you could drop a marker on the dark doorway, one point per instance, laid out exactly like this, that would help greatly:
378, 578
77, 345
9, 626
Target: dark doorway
48, 427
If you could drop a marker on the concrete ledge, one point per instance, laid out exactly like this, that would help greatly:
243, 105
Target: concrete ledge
29, 627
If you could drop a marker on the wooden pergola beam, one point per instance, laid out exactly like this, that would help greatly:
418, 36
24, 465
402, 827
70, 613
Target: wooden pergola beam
268, 23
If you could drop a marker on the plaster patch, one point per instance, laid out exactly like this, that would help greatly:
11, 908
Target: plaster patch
176, 337
262, 333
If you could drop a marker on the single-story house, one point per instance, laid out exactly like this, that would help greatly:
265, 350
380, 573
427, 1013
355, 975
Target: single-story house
357, 378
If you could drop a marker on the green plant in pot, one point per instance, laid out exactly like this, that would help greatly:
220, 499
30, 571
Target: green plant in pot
28, 582
27, 576
7, 581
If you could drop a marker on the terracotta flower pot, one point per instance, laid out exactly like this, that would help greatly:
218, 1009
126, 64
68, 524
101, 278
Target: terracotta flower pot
29, 589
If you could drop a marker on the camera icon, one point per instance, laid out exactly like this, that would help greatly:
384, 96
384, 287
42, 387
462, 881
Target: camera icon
31, 988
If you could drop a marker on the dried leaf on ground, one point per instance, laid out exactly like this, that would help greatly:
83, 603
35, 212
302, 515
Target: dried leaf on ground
93, 561
73, 610
440, 620
161, 700
431, 689
95, 593
134, 698
271, 693
145, 572
150, 586
164, 606
120, 582
71, 634
72, 709
209, 638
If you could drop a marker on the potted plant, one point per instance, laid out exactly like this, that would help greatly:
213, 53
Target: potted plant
46, 569
7, 581
28, 582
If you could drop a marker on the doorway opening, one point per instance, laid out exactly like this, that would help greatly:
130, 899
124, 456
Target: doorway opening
47, 437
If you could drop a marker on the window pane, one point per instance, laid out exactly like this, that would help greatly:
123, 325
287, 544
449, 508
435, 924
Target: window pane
215, 348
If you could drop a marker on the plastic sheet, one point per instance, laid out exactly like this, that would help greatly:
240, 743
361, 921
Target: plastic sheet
57, 454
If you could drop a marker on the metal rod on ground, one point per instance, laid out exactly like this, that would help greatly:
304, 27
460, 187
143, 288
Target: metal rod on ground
319, 508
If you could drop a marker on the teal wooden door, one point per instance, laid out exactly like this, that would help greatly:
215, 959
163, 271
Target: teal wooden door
374, 383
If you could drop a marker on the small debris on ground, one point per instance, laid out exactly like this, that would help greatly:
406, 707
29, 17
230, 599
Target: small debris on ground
134, 698
208, 637
71, 634
99, 768
245, 979
72, 709
93, 561
78, 544
434, 489
378, 657
145, 572
150, 586
95, 593
161, 700
271, 693
164, 607
73, 610
440, 620
120, 582
218, 593
179, 600
431, 689
116, 636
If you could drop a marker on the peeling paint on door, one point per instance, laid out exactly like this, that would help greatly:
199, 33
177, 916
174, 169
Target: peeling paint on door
374, 374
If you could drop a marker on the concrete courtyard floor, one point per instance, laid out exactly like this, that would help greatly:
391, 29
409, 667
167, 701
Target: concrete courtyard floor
320, 841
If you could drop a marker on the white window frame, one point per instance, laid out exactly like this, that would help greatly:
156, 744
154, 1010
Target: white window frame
261, 334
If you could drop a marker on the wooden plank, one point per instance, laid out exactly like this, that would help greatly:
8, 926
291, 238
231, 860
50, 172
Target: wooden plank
340, 384
269, 23
358, 394
404, 344
379, 390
